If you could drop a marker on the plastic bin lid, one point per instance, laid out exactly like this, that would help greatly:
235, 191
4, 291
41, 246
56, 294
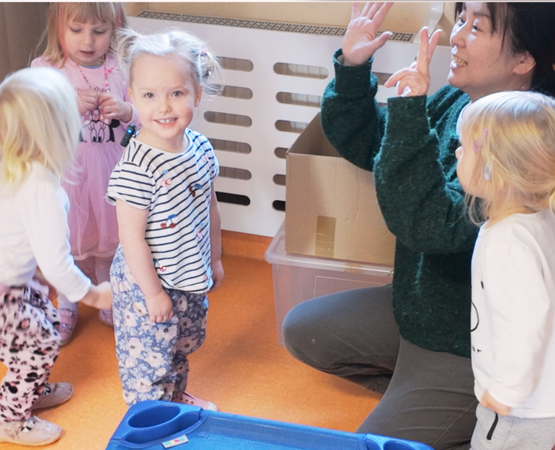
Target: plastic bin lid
275, 254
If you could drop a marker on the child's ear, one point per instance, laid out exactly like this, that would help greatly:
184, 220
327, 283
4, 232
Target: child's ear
526, 64
198, 96
498, 187
131, 96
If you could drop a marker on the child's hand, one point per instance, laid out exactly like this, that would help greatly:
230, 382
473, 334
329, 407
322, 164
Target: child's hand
217, 274
87, 99
415, 79
99, 297
112, 107
160, 307
360, 41
489, 402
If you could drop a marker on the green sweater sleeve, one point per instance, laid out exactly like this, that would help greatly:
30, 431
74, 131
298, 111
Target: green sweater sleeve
415, 174
351, 118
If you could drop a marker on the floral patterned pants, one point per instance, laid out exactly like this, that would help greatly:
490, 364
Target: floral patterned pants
29, 345
152, 356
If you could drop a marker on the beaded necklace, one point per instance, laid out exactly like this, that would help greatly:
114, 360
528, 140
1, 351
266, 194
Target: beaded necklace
96, 112
106, 73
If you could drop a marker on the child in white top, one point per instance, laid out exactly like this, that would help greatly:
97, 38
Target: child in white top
168, 217
39, 129
506, 164
80, 42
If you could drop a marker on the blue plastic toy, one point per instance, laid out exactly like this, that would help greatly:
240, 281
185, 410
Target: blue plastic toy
156, 425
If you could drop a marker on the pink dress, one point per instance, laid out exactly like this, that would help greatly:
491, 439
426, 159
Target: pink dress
92, 221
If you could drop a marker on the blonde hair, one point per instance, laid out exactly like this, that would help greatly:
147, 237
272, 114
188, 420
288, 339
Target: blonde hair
513, 134
204, 65
59, 14
39, 121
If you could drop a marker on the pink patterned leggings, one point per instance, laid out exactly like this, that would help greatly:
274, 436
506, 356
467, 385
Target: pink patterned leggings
29, 345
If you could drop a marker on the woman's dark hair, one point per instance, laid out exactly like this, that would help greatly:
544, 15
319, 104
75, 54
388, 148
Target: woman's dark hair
530, 27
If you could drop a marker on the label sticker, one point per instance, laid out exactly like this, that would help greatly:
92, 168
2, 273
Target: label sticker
174, 442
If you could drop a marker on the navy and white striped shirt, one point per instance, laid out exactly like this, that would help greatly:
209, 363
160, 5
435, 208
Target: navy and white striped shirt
176, 188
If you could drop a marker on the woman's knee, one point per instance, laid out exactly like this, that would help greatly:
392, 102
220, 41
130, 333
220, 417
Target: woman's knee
324, 331
302, 332
294, 330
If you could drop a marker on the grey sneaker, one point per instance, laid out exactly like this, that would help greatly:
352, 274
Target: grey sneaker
33, 432
54, 394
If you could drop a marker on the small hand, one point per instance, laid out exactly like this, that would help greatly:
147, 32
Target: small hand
87, 99
415, 79
160, 307
489, 402
360, 41
217, 274
99, 297
112, 107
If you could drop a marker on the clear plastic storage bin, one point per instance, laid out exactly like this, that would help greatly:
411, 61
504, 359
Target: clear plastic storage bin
298, 278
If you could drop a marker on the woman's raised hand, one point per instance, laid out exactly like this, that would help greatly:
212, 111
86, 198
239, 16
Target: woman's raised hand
415, 79
360, 41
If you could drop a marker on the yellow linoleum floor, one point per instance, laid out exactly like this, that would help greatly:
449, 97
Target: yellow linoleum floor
240, 367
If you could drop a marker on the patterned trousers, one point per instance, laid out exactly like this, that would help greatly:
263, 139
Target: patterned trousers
29, 345
152, 356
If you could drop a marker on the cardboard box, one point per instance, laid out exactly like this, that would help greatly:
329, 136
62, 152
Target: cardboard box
331, 205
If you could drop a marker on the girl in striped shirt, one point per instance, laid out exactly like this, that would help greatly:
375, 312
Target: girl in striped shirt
168, 219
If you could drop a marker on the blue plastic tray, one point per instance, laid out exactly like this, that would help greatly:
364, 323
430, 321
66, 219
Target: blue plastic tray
151, 425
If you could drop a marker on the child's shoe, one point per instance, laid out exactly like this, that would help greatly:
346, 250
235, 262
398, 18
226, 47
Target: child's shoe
106, 317
68, 322
54, 394
32, 431
189, 399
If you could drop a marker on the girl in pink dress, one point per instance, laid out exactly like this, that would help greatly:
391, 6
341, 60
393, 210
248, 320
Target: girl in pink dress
80, 38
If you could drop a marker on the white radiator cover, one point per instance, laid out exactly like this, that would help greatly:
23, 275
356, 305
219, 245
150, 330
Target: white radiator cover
264, 46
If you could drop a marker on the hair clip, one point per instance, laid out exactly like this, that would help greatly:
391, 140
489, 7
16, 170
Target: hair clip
478, 146
208, 71
487, 171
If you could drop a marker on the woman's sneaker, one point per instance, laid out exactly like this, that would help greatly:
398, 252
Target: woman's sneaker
32, 431
188, 399
54, 394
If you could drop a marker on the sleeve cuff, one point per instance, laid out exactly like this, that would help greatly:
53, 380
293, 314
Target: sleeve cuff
111, 197
134, 117
74, 297
350, 81
407, 113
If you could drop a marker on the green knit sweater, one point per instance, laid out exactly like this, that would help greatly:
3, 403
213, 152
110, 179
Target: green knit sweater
410, 146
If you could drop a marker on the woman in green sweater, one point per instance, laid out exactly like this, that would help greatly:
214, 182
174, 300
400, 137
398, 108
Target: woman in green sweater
419, 328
